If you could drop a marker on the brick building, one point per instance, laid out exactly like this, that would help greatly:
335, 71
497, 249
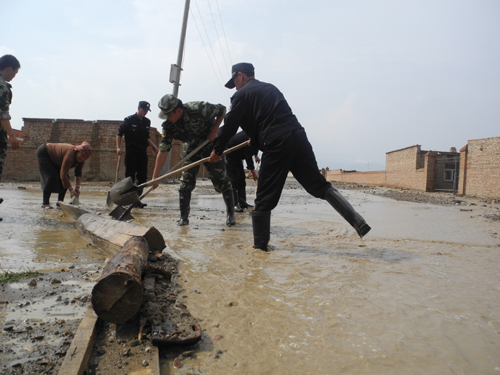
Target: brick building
474, 171
21, 165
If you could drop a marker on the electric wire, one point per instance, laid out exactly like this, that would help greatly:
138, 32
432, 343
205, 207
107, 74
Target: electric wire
218, 37
208, 39
224, 33
221, 85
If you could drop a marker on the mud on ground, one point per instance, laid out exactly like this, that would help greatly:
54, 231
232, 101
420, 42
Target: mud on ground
36, 345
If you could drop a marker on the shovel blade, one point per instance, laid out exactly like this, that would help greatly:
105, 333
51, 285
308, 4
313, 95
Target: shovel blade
122, 214
75, 201
124, 193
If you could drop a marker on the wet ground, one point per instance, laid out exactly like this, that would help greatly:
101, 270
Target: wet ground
420, 294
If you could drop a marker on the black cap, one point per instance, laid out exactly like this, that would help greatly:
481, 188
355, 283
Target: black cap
144, 105
246, 68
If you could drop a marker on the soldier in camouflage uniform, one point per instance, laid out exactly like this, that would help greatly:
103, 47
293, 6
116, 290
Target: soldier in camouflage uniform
9, 66
193, 123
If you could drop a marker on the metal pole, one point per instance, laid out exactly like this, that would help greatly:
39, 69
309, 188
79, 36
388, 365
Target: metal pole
181, 48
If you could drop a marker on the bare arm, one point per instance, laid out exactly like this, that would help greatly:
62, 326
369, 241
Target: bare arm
14, 142
152, 145
161, 157
118, 144
213, 132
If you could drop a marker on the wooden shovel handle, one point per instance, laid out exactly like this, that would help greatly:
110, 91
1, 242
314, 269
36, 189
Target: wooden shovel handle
117, 167
189, 166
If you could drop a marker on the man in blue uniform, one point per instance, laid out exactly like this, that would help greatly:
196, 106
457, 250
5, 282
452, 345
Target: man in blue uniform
235, 170
261, 110
135, 128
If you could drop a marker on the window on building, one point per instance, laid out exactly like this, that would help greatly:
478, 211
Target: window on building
449, 172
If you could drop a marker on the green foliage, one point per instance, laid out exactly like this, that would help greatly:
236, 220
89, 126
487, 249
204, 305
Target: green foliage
10, 277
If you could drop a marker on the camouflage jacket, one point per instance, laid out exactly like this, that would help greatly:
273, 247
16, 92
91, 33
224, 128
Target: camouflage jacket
5, 98
196, 123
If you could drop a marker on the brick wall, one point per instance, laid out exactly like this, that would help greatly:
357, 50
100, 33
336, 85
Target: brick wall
482, 168
405, 159
377, 178
21, 165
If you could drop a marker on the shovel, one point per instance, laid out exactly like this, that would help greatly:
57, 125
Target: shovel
109, 202
124, 192
123, 214
75, 201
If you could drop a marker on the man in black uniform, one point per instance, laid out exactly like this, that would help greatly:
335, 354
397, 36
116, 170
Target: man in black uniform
136, 130
235, 170
263, 113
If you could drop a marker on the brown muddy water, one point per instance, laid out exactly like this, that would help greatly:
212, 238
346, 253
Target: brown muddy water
419, 295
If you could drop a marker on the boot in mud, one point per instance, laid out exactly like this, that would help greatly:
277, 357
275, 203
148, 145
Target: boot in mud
237, 207
344, 208
1, 200
261, 224
184, 205
228, 200
243, 199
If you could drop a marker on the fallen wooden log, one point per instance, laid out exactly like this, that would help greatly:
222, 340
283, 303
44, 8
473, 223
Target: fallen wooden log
72, 212
111, 235
117, 295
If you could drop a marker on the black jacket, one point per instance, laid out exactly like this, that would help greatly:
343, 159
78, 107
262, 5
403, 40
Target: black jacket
262, 112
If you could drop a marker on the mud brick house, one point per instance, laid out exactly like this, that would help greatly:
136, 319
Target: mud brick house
21, 165
474, 171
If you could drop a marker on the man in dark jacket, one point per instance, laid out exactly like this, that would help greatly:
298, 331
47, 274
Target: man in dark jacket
135, 128
261, 110
235, 170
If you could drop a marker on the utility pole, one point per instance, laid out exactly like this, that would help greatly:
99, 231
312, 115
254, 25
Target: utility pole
175, 69
175, 74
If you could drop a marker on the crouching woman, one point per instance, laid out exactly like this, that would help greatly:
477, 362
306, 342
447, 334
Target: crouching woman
55, 160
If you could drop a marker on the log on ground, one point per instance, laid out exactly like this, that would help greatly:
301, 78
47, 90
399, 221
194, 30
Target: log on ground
111, 235
117, 295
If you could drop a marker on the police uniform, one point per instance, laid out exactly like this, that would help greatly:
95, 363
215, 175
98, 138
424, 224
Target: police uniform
235, 170
263, 113
265, 116
5, 101
136, 131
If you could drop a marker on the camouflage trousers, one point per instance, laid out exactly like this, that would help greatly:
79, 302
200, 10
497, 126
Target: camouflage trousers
216, 171
3, 149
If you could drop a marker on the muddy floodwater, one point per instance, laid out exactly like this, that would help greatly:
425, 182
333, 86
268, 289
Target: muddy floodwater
419, 295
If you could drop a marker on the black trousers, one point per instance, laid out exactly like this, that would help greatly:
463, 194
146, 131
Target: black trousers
291, 152
235, 172
136, 166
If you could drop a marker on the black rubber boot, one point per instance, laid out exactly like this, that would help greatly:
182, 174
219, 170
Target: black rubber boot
261, 223
344, 208
236, 201
184, 205
243, 199
228, 200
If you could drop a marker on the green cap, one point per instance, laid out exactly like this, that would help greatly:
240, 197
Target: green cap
167, 104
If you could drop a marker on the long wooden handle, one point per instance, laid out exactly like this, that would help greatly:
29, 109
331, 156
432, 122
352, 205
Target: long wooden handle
117, 167
174, 168
189, 166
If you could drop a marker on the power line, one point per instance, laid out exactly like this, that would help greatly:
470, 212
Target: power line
208, 38
208, 55
218, 37
224, 32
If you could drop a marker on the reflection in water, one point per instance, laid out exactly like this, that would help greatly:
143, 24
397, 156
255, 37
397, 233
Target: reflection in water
419, 295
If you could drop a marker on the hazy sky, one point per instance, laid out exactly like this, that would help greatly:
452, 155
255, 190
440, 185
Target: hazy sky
363, 77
